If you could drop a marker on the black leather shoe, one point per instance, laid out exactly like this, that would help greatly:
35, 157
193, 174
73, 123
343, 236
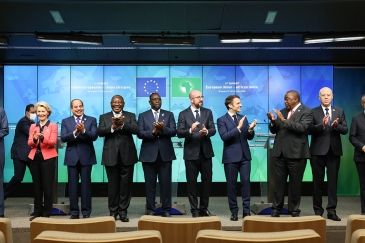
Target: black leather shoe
234, 217
166, 214
124, 218
245, 214
33, 217
86, 216
205, 213
114, 215
74, 217
295, 215
195, 214
334, 217
275, 214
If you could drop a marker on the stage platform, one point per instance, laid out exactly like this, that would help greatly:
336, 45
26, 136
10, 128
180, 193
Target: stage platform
16, 209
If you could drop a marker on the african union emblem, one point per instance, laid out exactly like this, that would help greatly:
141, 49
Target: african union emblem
181, 87
147, 86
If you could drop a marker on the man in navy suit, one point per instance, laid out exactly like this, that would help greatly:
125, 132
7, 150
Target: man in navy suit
156, 127
357, 139
290, 151
4, 131
196, 125
119, 155
79, 131
234, 130
326, 149
20, 149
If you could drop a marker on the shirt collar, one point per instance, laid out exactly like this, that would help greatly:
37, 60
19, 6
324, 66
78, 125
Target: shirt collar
39, 125
153, 111
231, 114
193, 109
75, 117
296, 107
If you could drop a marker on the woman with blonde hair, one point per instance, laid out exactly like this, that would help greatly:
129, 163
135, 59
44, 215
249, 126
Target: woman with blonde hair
42, 140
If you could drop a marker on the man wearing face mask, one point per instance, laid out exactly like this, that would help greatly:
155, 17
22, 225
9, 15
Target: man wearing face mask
20, 149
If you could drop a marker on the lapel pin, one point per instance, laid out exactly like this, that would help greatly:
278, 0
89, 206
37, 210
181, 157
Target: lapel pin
123, 116
333, 109
298, 110
162, 114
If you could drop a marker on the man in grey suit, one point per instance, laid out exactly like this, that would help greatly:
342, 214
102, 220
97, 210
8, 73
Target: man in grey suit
119, 155
357, 139
326, 150
156, 127
290, 151
196, 125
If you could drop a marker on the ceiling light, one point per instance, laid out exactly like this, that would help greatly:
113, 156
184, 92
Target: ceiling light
324, 38
74, 39
57, 17
270, 18
245, 38
3, 40
159, 40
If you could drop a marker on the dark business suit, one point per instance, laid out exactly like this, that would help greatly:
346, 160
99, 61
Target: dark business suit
198, 151
236, 158
119, 157
4, 130
326, 150
290, 153
19, 153
156, 155
357, 139
79, 158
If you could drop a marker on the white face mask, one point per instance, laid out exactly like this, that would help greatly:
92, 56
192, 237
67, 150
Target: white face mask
32, 116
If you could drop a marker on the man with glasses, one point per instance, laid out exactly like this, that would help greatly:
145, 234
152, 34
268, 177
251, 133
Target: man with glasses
156, 127
119, 155
196, 125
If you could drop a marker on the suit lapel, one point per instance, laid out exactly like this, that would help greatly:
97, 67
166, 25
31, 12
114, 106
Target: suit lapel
190, 114
229, 118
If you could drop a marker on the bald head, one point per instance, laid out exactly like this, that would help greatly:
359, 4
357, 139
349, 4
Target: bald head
325, 96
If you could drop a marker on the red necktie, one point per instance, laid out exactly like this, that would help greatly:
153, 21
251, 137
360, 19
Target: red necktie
291, 114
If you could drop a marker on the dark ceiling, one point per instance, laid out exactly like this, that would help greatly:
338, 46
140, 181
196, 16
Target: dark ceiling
116, 21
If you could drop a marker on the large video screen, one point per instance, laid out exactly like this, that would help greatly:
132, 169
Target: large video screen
261, 88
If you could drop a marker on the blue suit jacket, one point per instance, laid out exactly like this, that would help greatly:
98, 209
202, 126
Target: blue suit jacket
80, 148
151, 144
235, 142
20, 149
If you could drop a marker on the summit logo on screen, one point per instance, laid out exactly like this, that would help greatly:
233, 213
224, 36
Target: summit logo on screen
147, 86
181, 87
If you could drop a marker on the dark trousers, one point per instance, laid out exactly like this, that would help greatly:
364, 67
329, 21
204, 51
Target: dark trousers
360, 166
43, 175
231, 170
74, 172
319, 164
19, 172
192, 168
163, 171
120, 180
294, 168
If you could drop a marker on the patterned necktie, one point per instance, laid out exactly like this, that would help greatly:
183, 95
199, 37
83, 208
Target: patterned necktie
329, 119
78, 120
291, 114
156, 116
235, 119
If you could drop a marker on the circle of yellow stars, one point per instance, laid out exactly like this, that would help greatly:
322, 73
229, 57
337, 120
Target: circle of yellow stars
152, 82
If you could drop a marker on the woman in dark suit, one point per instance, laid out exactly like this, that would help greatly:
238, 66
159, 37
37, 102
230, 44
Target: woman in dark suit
42, 140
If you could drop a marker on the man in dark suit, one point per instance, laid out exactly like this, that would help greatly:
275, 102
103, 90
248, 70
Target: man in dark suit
234, 130
326, 149
79, 131
20, 149
196, 125
156, 127
119, 155
290, 151
357, 139
4, 131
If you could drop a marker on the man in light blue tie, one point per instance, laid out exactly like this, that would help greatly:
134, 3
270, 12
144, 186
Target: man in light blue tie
156, 127
79, 131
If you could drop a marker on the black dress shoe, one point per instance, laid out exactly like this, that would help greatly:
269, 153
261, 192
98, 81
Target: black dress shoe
334, 217
74, 217
114, 215
295, 215
86, 216
124, 218
33, 217
234, 217
195, 214
245, 214
166, 214
275, 214
205, 213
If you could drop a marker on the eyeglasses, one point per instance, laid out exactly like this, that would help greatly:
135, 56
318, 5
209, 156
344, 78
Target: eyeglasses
199, 97
156, 99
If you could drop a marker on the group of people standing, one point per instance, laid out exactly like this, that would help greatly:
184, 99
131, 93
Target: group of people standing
34, 146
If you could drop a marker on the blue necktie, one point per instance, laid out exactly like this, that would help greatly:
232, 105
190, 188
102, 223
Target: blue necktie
329, 119
78, 120
197, 117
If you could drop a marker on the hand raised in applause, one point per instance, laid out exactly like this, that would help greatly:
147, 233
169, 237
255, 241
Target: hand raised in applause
240, 123
253, 125
335, 123
80, 128
271, 116
325, 120
194, 126
118, 121
279, 114
158, 126
203, 131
